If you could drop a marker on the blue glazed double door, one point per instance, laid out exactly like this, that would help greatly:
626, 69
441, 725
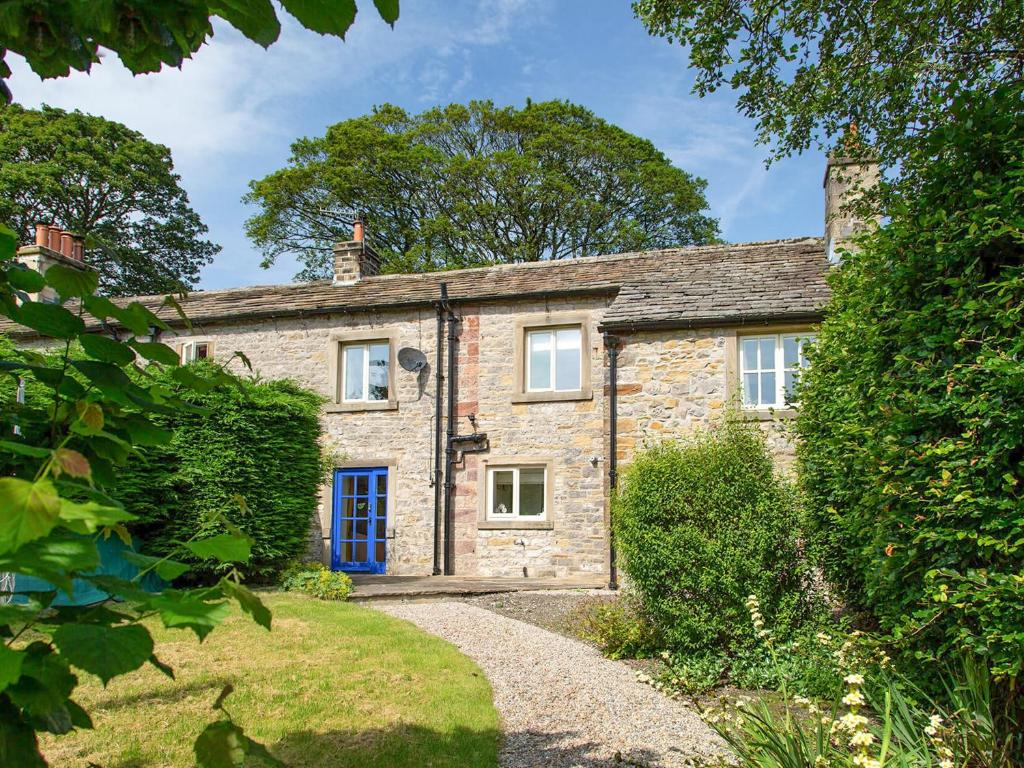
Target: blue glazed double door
358, 535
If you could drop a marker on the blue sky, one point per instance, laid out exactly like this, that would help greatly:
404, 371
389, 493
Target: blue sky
230, 114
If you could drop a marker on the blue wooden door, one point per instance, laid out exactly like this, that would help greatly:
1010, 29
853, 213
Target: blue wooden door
358, 542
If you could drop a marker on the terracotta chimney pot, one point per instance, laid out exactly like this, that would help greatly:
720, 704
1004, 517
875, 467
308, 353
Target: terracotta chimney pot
42, 235
66, 243
77, 248
358, 229
54, 238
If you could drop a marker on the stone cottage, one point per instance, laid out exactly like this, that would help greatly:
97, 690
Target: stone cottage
479, 417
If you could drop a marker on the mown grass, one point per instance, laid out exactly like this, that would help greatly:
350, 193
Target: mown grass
332, 685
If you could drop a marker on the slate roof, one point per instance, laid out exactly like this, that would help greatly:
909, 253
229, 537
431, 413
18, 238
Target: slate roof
684, 286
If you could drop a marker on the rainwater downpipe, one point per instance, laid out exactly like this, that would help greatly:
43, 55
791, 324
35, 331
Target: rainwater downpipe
612, 344
442, 307
449, 452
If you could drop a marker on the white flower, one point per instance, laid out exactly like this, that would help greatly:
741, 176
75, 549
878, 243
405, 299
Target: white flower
935, 721
854, 679
853, 699
823, 638
863, 761
801, 700
945, 764
853, 722
862, 739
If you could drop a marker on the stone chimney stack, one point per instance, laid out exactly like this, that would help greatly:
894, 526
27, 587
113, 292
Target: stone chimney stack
53, 246
847, 178
355, 259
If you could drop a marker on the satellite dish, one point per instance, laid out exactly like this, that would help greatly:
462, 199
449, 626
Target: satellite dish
412, 359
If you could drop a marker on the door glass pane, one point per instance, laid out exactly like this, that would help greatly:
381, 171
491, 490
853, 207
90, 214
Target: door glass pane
382, 507
767, 389
354, 372
382, 485
567, 359
749, 354
767, 353
346, 528
501, 492
361, 528
531, 491
540, 360
362, 485
346, 551
379, 554
347, 507
347, 486
360, 552
790, 352
750, 389
378, 384
381, 531
362, 507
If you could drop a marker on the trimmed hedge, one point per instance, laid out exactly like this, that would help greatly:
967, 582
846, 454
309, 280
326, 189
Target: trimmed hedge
260, 442
912, 411
701, 525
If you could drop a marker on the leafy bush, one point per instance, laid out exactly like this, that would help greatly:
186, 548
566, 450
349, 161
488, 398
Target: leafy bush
702, 524
912, 417
317, 580
619, 628
258, 440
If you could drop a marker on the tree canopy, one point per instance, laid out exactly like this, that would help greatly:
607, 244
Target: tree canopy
56, 37
476, 184
805, 69
109, 184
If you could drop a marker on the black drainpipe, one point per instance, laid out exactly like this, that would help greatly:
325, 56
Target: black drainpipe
449, 452
612, 343
442, 307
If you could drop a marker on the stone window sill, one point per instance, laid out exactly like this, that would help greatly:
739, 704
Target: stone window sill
515, 525
552, 397
382, 405
768, 414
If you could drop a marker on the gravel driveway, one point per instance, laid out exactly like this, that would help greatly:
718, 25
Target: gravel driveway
561, 703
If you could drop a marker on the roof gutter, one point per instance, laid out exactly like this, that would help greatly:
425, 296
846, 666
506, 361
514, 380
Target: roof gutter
711, 321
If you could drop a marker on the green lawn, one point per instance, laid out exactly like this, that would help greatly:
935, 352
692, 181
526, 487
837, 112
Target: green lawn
332, 685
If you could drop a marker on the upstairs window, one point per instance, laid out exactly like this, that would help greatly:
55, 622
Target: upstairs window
365, 371
770, 367
195, 350
516, 493
554, 359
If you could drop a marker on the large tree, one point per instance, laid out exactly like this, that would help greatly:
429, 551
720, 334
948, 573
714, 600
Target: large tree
476, 184
108, 183
57, 36
805, 69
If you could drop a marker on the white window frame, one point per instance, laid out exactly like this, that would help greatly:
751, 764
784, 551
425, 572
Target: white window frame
189, 347
514, 514
778, 367
553, 379
365, 345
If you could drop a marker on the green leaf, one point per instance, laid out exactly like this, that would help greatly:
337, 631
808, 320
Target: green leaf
88, 517
105, 376
145, 432
328, 17
49, 320
388, 10
24, 449
24, 278
104, 651
107, 350
168, 570
70, 282
28, 511
8, 242
46, 682
255, 19
224, 547
179, 609
10, 665
155, 351
248, 601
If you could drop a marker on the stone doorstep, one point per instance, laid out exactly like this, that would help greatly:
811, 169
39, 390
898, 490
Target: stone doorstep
369, 587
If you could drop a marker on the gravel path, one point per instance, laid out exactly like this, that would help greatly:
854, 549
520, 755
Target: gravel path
561, 703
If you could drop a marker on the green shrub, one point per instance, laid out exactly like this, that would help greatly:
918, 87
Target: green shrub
317, 580
702, 524
619, 628
912, 415
258, 441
